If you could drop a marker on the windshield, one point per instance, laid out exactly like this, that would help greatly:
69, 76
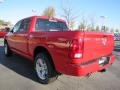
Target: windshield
50, 25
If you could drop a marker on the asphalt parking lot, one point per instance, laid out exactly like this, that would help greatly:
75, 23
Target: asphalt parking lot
16, 73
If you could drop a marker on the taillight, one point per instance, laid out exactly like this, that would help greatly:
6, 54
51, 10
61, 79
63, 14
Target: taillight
76, 48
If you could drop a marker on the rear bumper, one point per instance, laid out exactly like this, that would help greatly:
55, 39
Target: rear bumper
84, 69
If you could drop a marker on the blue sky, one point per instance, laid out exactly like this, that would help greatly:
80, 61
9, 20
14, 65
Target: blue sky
13, 10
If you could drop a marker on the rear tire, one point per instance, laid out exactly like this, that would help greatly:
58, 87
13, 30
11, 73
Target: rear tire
44, 69
7, 50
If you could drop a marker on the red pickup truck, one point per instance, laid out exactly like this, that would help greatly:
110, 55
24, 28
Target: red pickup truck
55, 49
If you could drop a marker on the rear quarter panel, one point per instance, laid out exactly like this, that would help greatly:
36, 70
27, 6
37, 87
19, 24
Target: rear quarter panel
57, 44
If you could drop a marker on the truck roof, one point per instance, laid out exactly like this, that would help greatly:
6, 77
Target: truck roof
46, 17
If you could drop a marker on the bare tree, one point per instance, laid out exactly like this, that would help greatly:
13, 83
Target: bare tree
50, 12
117, 30
67, 15
106, 29
92, 24
83, 24
97, 28
112, 30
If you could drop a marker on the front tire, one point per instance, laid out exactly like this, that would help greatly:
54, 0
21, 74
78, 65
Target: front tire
44, 69
7, 50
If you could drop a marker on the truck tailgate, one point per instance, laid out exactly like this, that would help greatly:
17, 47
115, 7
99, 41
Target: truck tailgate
97, 45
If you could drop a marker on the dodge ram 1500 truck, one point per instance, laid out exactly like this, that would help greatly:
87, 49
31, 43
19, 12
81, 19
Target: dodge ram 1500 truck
54, 49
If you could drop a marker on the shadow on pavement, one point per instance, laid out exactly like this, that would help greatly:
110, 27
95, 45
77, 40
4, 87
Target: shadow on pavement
18, 64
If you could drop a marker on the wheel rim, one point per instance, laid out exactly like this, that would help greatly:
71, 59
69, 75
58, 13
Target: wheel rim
41, 69
6, 49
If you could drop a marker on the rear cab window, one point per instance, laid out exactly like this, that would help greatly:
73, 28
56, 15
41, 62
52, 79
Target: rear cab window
50, 25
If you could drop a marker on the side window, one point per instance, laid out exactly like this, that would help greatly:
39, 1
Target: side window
24, 25
17, 26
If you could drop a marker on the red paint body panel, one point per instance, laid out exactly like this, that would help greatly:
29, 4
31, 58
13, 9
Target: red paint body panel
57, 43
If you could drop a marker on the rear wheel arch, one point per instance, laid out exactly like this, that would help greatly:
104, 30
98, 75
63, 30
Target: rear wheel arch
43, 49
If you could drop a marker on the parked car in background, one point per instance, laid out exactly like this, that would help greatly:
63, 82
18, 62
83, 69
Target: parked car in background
117, 41
4, 31
2, 34
54, 49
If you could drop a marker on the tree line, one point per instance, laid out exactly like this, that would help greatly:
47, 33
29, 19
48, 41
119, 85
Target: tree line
70, 18
4, 23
